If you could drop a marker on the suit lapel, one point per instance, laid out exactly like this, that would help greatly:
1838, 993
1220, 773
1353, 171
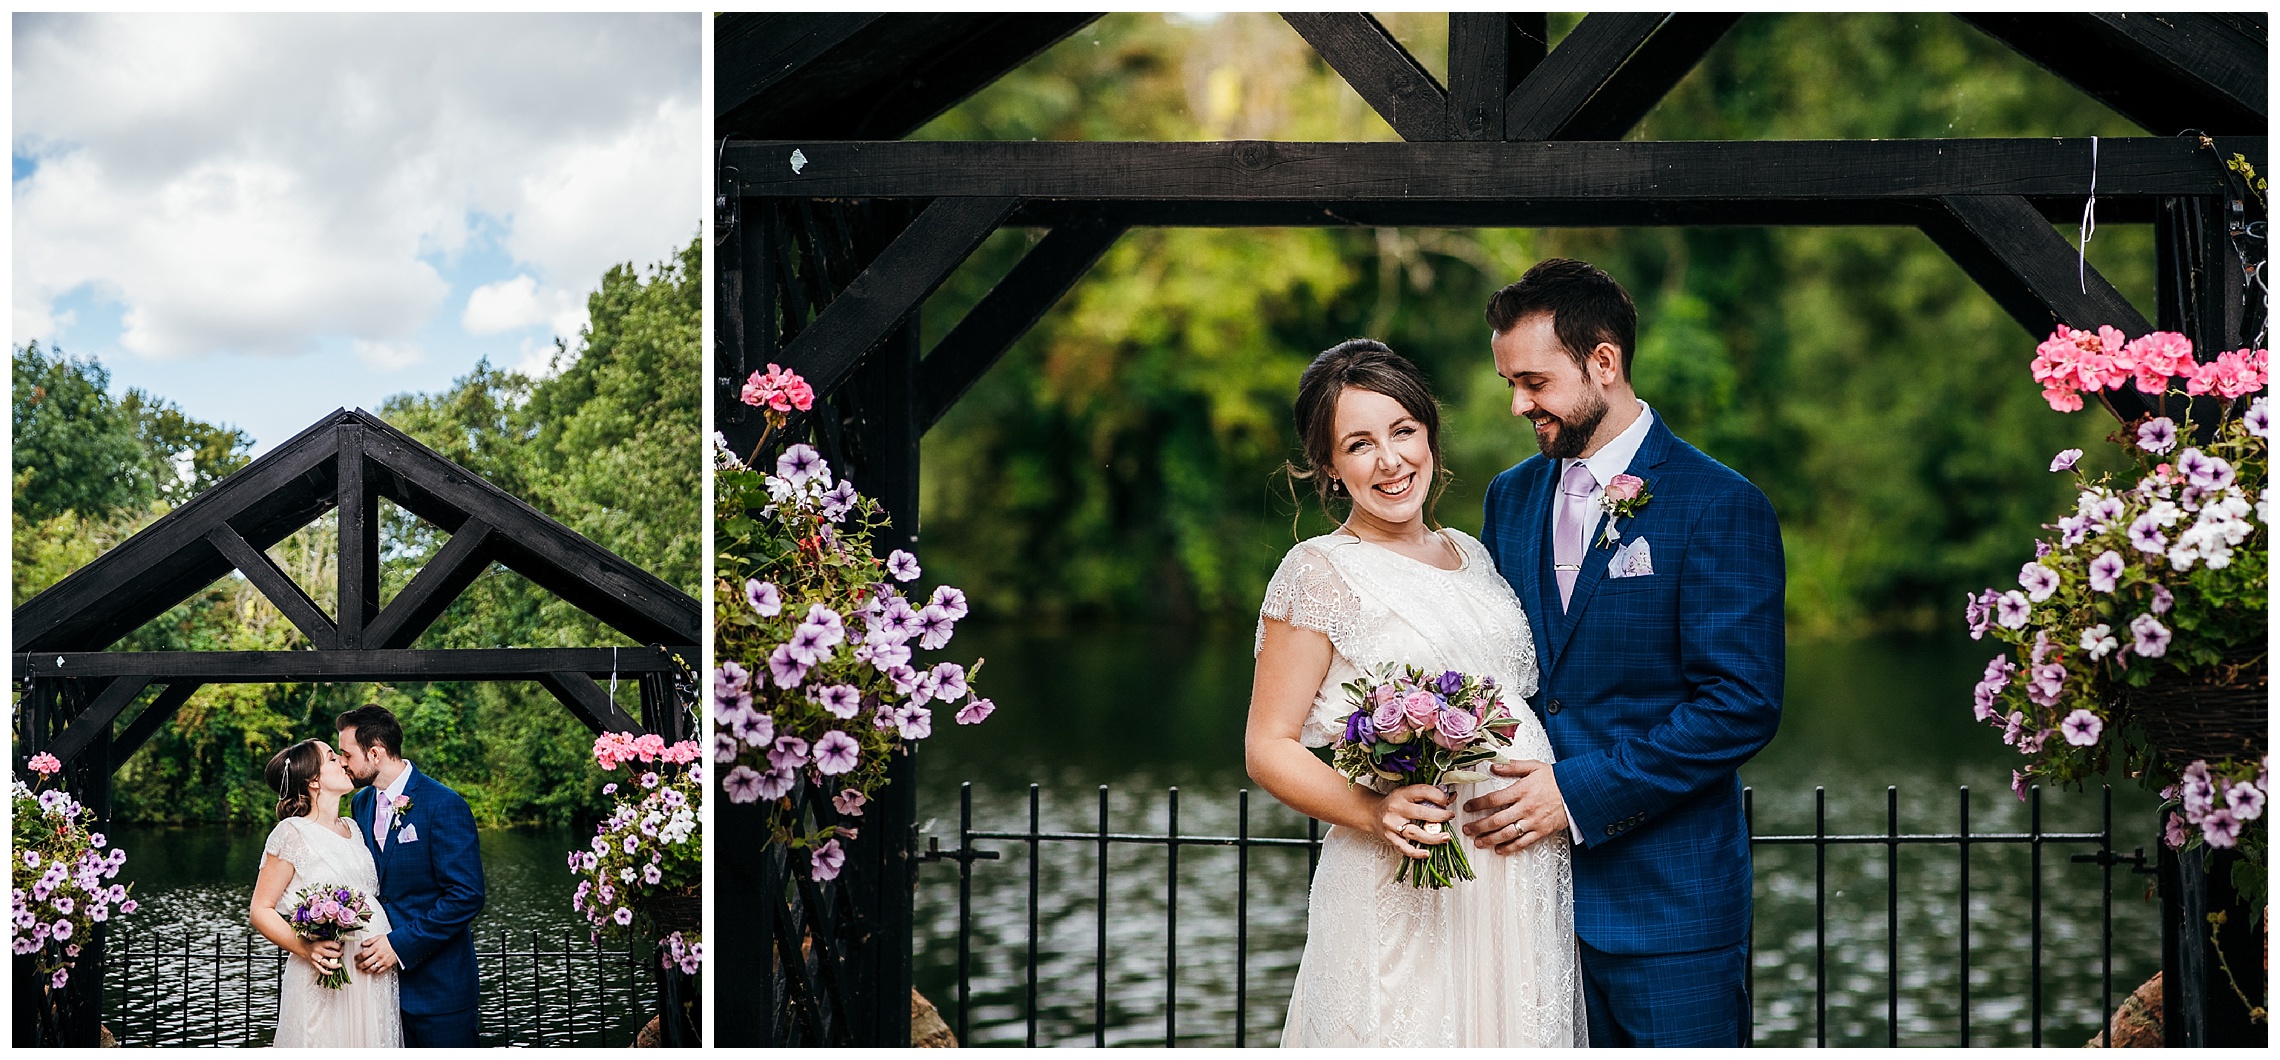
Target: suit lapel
1651, 454
360, 807
1532, 560
410, 783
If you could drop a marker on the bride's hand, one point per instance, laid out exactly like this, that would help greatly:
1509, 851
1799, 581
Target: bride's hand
1404, 812
325, 955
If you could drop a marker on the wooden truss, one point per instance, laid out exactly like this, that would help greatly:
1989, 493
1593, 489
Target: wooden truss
832, 231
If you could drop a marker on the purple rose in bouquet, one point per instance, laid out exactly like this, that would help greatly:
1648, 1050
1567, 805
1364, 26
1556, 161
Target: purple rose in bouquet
1412, 727
330, 913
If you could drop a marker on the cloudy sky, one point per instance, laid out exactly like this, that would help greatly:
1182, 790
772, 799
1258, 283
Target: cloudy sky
266, 217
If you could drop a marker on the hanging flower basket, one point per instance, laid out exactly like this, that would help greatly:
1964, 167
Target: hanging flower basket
2215, 714
673, 911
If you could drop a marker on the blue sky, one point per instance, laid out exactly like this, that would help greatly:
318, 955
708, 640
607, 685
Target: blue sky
264, 218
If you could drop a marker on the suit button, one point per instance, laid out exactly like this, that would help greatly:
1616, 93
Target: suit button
1554, 708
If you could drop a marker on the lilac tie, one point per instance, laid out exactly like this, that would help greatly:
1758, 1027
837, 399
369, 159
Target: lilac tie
1567, 527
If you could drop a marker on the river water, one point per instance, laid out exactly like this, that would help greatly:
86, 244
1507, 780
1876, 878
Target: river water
189, 969
1143, 710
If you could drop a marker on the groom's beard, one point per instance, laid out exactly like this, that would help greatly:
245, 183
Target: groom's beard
363, 782
1569, 435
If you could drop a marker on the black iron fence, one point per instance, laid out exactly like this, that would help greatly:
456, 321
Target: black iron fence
1956, 847
169, 989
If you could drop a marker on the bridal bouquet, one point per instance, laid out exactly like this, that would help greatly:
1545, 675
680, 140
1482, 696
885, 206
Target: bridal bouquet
59, 895
816, 683
2152, 589
330, 913
1412, 727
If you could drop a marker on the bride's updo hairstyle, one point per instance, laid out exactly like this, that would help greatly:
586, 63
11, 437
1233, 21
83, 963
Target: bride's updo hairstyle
290, 773
1366, 364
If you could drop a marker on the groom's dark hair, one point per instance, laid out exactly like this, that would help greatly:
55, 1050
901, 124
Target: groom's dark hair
1587, 306
375, 727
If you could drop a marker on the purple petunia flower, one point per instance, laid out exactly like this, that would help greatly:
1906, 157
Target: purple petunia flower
838, 502
904, 678
97, 840
841, 700
649, 780
2204, 471
2012, 609
801, 463
824, 862
2150, 637
61, 976
2039, 581
2158, 435
2162, 599
2220, 829
949, 681
2258, 421
2145, 534
2106, 571
724, 748
951, 600
2064, 461
788, 670
129, 906
729, 681
1978, 612
789, 752
902, 565
776, 783
849, 802
934, 626
2019, 785
914, 722
609, 788
887, 656
895, 623
62, 930
974, 712
2244, 801
826, 620
2104, 512
756, 728
2099, 641
836, 753
651, 875
2081, 728
2196, 790
807, 646
2072, 530
764, 597
62, 904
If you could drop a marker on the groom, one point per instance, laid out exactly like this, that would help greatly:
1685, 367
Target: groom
1652, 577
422, 839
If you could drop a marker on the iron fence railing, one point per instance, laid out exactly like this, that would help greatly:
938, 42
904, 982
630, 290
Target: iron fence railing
1821, 840
178, 989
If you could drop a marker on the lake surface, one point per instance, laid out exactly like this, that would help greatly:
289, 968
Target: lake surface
1143, 710
195, 972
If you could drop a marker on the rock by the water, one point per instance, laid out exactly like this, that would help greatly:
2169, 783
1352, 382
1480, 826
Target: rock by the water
2137, 1024
927, 1031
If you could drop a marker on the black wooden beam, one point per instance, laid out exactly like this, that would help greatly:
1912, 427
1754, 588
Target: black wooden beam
167, 561
892, 287
865, 76
588, 701
1480, 64
2036, 275
1039, 280
1620, 173
262, 667
359, 558
1532, 213
2166, 72
97, 718
448, 573
282, 591
146, 724
528, 542
1668, 55
1388, 78
1586, 60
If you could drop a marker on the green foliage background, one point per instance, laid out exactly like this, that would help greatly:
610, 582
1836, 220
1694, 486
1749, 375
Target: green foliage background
1123, 458
609, 445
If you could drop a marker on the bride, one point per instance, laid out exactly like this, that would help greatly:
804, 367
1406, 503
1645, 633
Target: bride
1489, 962
314, 844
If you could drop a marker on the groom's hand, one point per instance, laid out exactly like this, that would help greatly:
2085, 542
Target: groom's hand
376, 956
1520, 813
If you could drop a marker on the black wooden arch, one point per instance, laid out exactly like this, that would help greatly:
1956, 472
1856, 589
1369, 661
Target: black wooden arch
74, 691
832, 231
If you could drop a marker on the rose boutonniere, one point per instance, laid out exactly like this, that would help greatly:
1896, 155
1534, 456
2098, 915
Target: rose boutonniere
1623, 497
401, 806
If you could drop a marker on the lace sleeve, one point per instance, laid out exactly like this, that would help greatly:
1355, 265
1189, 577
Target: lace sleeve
287, 842
1309, 593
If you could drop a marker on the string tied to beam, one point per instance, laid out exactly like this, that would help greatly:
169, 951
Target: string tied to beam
2089, 224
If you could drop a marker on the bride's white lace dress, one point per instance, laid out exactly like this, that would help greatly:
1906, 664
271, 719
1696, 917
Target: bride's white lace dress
364, 1012
1488, 962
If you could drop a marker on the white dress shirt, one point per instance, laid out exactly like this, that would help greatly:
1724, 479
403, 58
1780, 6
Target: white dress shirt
384, 806
1611, 460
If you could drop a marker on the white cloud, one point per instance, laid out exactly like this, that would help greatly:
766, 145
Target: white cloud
512, 305
388, 356
259, 184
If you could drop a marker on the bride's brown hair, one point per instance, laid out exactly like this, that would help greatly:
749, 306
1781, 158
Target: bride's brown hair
290, 773
1364, 364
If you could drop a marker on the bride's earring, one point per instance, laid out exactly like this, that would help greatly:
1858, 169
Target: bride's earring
1337, 486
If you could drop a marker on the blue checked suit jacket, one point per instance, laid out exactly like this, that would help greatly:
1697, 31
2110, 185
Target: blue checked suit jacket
1655, 689
432, 888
